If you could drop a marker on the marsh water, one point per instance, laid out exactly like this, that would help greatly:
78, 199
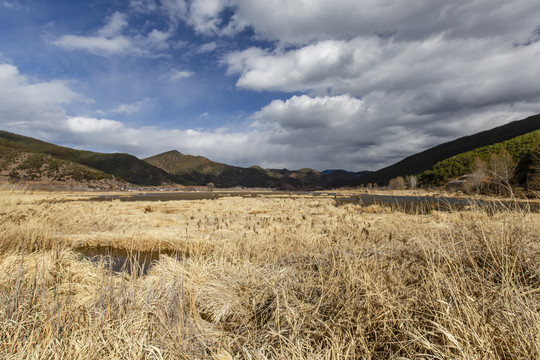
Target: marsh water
121, 260
405, 203
195, 195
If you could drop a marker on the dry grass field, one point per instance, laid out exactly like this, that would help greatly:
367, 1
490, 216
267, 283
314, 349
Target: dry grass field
270, 277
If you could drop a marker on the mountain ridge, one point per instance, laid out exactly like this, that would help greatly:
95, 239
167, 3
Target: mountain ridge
201, 170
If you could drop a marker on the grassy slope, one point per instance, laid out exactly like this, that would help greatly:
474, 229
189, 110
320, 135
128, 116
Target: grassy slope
29, 158
423, 161
40, 166
177, 163
123, 166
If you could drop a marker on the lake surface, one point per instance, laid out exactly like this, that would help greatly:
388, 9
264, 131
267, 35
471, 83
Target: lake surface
402, 202
423, 204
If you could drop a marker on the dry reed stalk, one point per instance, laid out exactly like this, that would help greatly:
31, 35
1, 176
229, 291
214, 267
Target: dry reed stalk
267, 278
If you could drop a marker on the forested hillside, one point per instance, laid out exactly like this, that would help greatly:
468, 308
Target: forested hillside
520, 148
425, 160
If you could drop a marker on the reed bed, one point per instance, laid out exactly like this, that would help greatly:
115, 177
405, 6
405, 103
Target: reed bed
266, 278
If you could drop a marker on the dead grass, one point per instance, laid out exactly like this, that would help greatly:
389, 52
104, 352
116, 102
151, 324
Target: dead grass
266, 278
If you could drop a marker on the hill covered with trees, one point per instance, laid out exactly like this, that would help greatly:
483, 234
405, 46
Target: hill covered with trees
519, 148
419, 163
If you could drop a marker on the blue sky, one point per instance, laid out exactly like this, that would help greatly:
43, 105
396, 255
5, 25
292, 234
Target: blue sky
353, 84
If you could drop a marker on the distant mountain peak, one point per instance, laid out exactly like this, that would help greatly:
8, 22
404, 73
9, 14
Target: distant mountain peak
172, 152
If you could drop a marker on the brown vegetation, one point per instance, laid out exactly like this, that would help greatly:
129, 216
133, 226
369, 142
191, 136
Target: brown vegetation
266, 278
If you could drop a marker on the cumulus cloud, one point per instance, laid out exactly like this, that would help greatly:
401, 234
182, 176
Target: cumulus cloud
304, 112
359, 134
361, 66
301, 22
420, 72
317, 66
31, 105
85, 125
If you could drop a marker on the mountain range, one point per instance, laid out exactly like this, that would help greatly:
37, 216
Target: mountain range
25, 158
200, 170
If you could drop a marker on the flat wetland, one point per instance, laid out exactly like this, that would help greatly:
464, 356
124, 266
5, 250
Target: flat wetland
265, 275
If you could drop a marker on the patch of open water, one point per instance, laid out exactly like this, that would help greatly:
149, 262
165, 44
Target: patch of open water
122, 260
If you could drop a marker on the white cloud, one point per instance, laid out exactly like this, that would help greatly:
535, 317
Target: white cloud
207, 47
110, 40
36, 109
143, 6
94, 44
117, 22
316, 66
157, 39
175, 75
107, 40
31, 105
205, 15
301, 22
361, 66
85, 125
361, 133
304, 112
